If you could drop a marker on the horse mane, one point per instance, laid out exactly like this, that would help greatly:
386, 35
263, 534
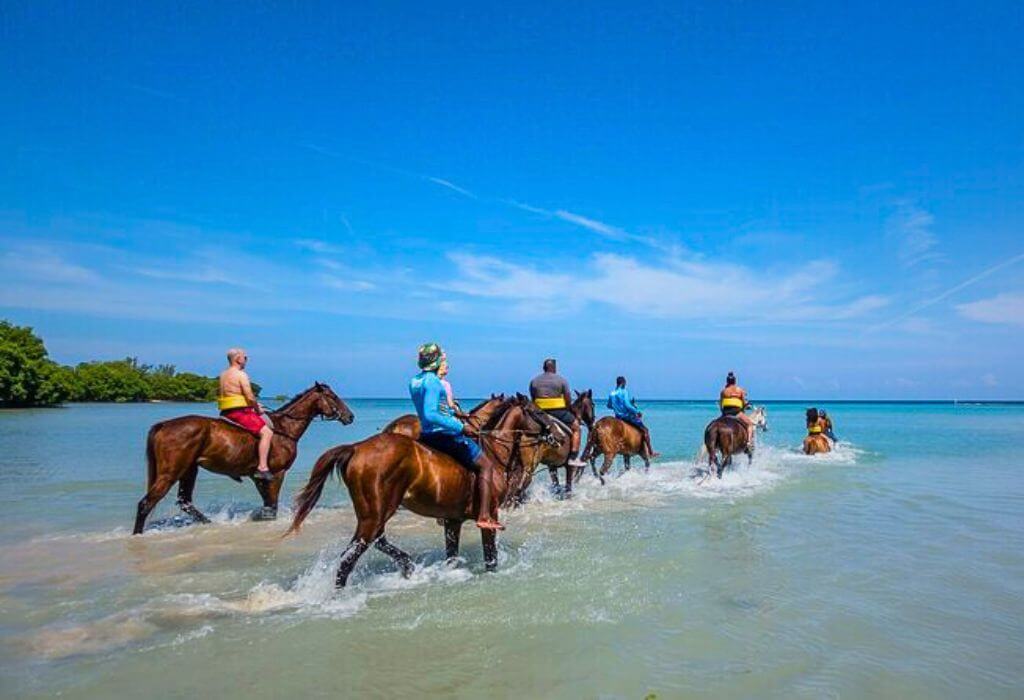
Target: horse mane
499, 413
295, 399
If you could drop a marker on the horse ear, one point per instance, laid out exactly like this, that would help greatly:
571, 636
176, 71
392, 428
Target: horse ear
590, 392
318, 386
576, 392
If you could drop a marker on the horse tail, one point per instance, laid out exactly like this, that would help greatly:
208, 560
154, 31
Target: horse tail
711, 442
151, 455
336, 457
588, 451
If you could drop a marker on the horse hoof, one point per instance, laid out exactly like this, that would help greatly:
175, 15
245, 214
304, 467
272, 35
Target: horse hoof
491, 567
265, 513
407, 570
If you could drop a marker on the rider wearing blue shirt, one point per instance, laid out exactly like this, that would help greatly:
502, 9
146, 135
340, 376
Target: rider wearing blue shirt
624, 407
445, 433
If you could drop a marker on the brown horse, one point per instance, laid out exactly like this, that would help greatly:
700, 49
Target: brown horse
611, 437
816, 442
555, 458
409, 424
390, 470
727, 436
176, 448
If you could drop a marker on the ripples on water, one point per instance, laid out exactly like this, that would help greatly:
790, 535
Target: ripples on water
794, 576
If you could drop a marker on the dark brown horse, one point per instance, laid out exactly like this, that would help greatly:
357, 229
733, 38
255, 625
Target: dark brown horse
555, 458
390, 470
727, 436
611, 437
176, 448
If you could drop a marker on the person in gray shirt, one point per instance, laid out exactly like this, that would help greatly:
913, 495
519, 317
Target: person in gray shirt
550, 391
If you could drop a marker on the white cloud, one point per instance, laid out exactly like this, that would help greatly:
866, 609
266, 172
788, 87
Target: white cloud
685, 290
599, 227
452, 186
346, 284
323, 247
43, 264
1006, 308
911, 228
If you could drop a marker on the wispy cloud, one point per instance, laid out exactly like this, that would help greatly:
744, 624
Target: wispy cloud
1006, 308
43, 264
684, 290
949, 292
911, 229
452, 186
317, 246
599, 227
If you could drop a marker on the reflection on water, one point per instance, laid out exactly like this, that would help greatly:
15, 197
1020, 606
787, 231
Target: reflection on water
795, 576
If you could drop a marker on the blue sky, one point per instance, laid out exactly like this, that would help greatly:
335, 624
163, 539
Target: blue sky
826, 199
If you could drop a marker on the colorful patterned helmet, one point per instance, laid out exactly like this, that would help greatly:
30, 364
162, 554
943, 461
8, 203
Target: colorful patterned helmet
430, 356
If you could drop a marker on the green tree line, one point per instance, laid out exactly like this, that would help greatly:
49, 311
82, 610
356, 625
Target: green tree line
28, 377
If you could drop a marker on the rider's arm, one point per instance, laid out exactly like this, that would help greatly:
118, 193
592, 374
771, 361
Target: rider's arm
566, 394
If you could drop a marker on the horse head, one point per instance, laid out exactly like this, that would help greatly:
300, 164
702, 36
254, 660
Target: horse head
329, 405
536, 419
583, 407
759, 417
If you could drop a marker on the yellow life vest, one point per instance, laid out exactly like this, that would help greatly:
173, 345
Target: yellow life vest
226, 403
814, 429
550, 403
732, 402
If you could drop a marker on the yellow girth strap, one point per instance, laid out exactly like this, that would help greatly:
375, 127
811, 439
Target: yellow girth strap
814, 429
226, 403
732, 402
550, 403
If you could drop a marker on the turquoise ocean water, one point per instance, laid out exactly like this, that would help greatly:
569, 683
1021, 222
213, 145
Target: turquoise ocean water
892, 567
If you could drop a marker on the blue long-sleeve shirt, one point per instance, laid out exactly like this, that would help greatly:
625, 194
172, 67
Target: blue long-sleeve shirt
622, 404
428, 395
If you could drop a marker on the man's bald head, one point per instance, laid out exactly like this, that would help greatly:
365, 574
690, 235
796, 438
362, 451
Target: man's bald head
236, 356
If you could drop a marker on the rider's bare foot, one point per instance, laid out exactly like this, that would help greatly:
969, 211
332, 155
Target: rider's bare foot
655, 454
485, 524
263, 475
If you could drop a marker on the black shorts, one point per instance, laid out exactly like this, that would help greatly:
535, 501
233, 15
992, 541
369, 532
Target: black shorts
731, 410
562, 414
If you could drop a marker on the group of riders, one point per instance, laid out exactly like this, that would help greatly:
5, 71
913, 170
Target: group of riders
443, 423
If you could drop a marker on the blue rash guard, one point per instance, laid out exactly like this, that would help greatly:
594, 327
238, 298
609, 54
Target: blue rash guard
439, 429
428, 395
622, 404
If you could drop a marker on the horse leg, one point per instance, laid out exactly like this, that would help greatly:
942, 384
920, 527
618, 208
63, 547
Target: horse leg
157, 491
609, 457
185, 488
625, 462
647, 461
593, 468
269, 492
568, 481
490, 542
403, 560
452, 532
555, 486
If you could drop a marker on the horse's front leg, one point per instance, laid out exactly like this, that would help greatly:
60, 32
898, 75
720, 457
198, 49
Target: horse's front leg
625, 462
553, 471
269, 491
452, 533
490, 542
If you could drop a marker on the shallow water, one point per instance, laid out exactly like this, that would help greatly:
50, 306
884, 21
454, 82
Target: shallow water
893, 566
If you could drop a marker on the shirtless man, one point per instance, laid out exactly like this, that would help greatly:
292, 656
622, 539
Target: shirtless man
238, 403
733, 401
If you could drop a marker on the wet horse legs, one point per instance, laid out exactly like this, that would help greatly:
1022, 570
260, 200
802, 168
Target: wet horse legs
452, 531
186, 486
403, 560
